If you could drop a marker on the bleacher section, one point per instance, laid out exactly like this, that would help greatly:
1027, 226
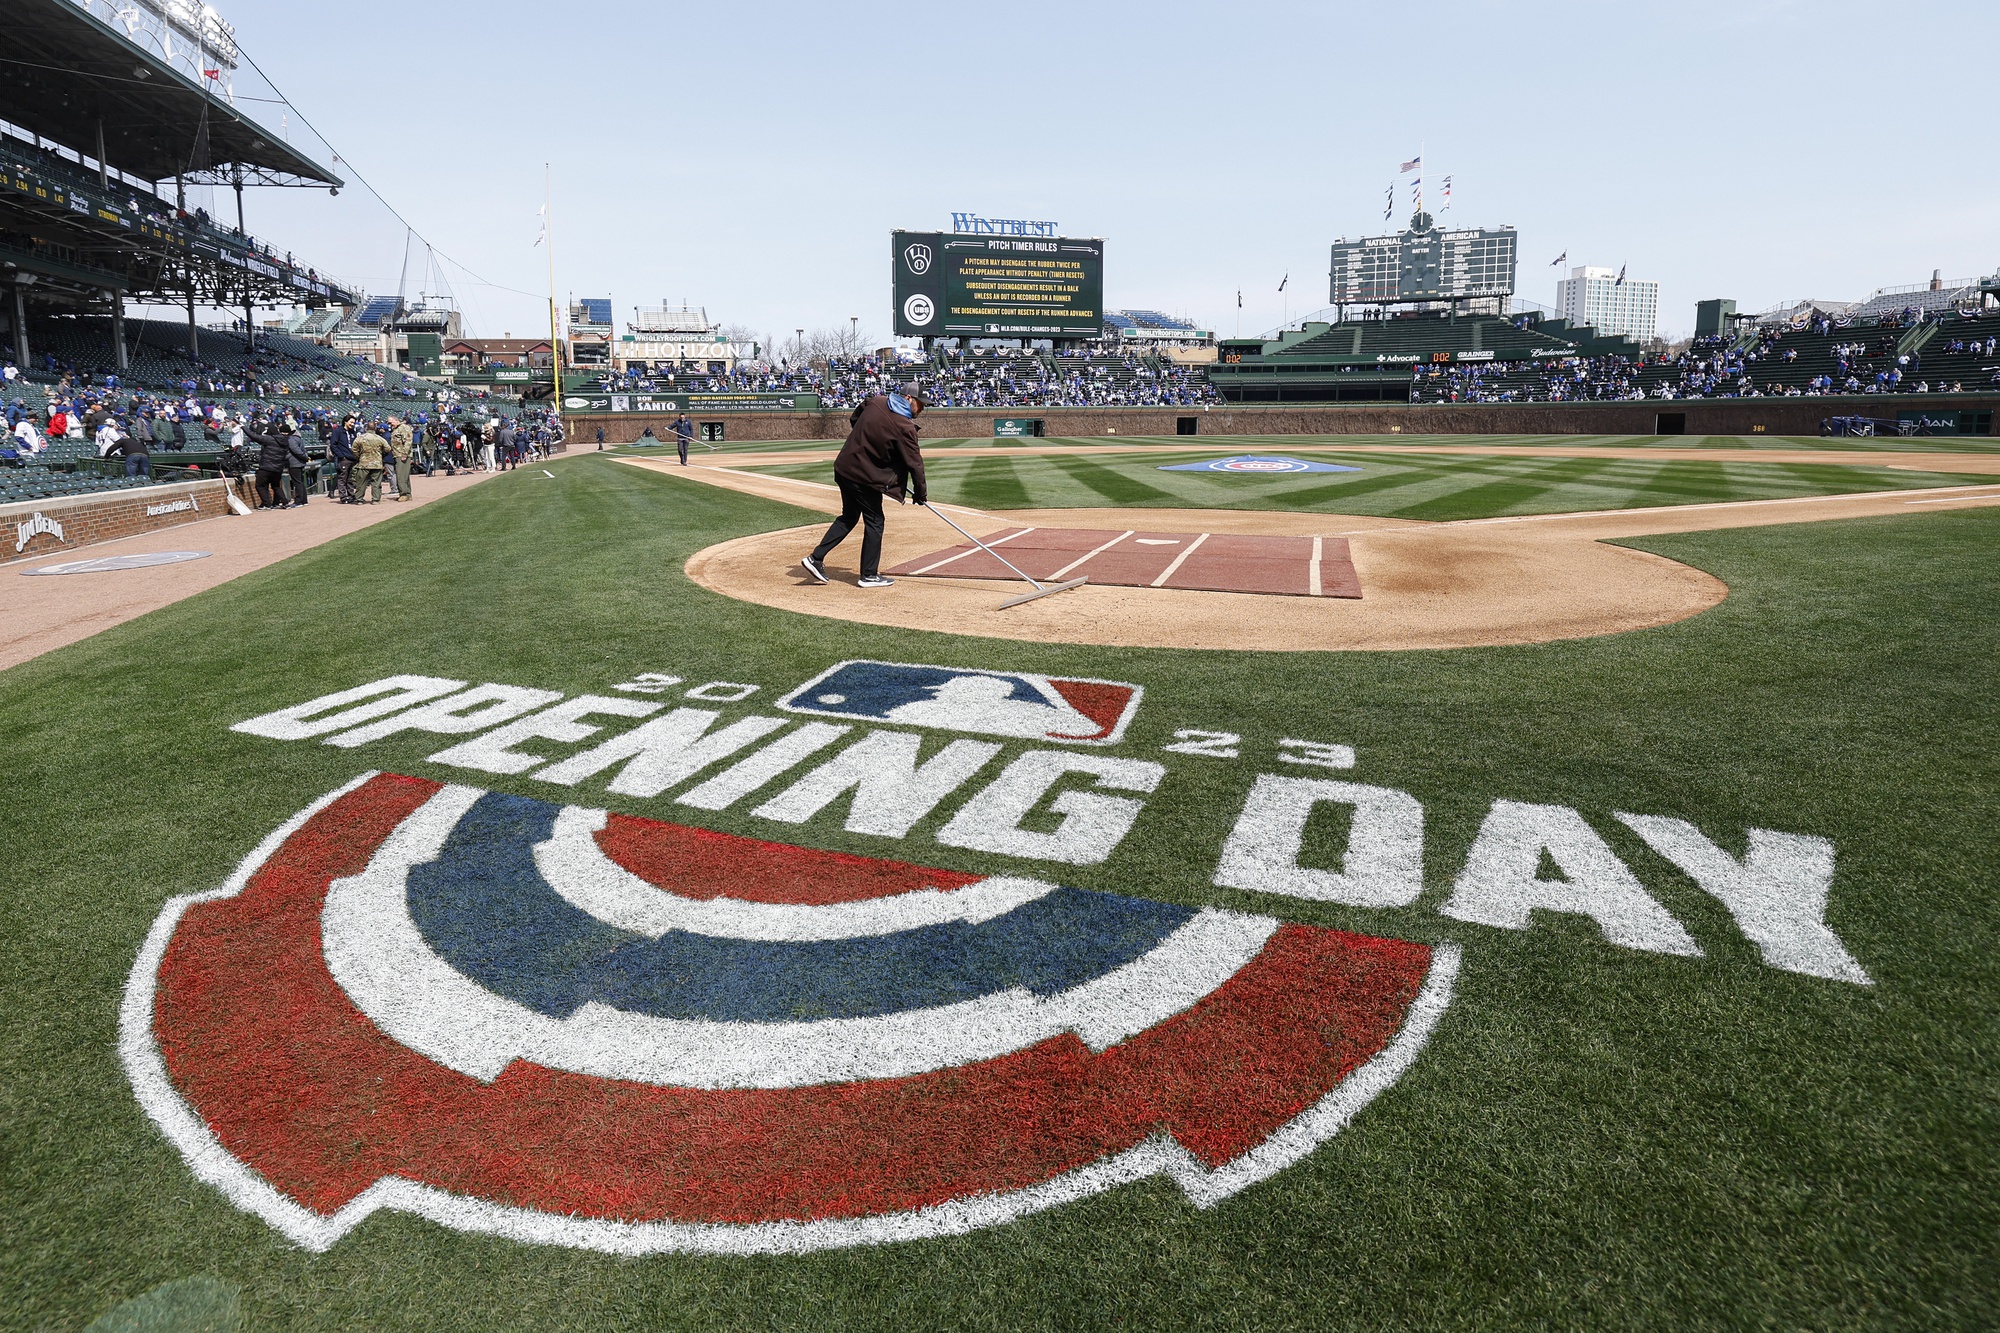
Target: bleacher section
980, 378
1899, 353
1419, 338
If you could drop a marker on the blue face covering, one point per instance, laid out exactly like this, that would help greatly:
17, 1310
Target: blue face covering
901, 406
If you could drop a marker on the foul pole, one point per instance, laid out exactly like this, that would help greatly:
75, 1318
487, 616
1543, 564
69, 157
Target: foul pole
555, 338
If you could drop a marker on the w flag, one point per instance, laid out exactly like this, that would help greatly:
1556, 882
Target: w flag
1412, 164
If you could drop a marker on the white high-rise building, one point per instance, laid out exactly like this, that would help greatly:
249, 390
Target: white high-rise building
1594, 296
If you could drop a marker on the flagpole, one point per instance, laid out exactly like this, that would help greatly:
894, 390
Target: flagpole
555, 338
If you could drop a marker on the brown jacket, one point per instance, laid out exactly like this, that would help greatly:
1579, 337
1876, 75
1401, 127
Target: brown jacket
881, 451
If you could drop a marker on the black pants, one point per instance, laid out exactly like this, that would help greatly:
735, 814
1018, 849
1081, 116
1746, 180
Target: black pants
298, 485
344, 480
858, 504
683, 441
269, 493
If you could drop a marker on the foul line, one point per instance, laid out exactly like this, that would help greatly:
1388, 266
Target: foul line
1719, 504
1952, 500
1094, 554
968, 551
816, 485
1186, 551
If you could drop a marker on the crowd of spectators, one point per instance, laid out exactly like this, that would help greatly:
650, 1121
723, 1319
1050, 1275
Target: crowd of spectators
1816, 356
86, 415
983, 377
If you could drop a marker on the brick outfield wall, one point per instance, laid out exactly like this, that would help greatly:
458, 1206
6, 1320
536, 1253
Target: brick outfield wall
1707, 416
85, 520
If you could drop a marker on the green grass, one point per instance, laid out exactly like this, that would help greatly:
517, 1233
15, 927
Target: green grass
1433, 487
1950, 444
1595, 1137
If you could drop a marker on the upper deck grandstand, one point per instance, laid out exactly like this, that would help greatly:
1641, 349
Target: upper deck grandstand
108, 120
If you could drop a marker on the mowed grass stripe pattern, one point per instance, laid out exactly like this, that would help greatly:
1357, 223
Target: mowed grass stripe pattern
1432, 487
1966, 444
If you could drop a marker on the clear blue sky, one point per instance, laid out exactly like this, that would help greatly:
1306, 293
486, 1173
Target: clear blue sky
753, 159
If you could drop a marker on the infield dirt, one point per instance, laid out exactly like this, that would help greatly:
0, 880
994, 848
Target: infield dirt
1529, 579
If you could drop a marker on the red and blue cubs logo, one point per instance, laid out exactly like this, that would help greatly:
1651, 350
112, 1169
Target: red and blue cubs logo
574, 1027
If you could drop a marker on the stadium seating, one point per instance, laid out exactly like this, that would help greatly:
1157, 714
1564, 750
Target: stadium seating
985, 377
294, 371
41, 483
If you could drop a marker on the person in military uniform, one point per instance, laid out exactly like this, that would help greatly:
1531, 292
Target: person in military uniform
402, 443
368, 450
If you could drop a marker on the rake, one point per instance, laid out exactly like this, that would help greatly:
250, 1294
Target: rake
1040, 589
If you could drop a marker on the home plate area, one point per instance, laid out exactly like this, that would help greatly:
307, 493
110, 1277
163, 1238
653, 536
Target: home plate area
1197, 561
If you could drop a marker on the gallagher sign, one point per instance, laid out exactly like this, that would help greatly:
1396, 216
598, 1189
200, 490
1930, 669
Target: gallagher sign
545, 1018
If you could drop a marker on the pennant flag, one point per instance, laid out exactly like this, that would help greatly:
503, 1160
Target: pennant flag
1287, 278
543, 214
1239, 298
1412, 164
1447, 194
1557, 261
1389, 202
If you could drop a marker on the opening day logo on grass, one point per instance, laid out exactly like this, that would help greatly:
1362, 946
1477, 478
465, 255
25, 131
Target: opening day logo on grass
577, 1025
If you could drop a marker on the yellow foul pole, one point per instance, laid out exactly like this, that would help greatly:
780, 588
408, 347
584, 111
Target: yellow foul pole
555, 338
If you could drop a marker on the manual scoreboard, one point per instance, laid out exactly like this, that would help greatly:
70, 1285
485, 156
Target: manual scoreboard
1423, 264
953, 285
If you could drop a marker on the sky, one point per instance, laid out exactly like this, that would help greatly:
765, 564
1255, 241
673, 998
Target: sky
752, 160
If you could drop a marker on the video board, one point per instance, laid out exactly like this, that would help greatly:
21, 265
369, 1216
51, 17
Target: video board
1423, 264
949, 285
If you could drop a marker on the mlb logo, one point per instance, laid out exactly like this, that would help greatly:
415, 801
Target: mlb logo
1020, 704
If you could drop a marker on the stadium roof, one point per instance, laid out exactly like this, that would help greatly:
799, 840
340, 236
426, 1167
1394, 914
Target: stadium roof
67, 70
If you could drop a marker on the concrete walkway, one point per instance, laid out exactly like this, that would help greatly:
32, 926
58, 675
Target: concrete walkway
41, 614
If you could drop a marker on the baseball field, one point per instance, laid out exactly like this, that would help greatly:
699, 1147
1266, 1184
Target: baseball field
549, 909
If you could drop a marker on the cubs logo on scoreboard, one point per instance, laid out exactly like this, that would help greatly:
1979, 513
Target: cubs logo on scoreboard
1020, 704
575, 1027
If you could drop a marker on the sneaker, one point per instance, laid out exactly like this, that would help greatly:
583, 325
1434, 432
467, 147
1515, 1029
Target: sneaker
874, 581
812, 568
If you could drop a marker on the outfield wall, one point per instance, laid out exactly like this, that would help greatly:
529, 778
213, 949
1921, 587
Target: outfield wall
30, 528
1705, 416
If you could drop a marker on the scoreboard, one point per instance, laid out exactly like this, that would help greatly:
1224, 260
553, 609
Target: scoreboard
952, 285
1423, 264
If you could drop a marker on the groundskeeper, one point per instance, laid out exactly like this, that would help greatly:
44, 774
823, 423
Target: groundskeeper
881, 457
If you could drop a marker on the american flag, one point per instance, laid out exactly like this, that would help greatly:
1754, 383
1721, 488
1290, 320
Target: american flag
1412, 164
